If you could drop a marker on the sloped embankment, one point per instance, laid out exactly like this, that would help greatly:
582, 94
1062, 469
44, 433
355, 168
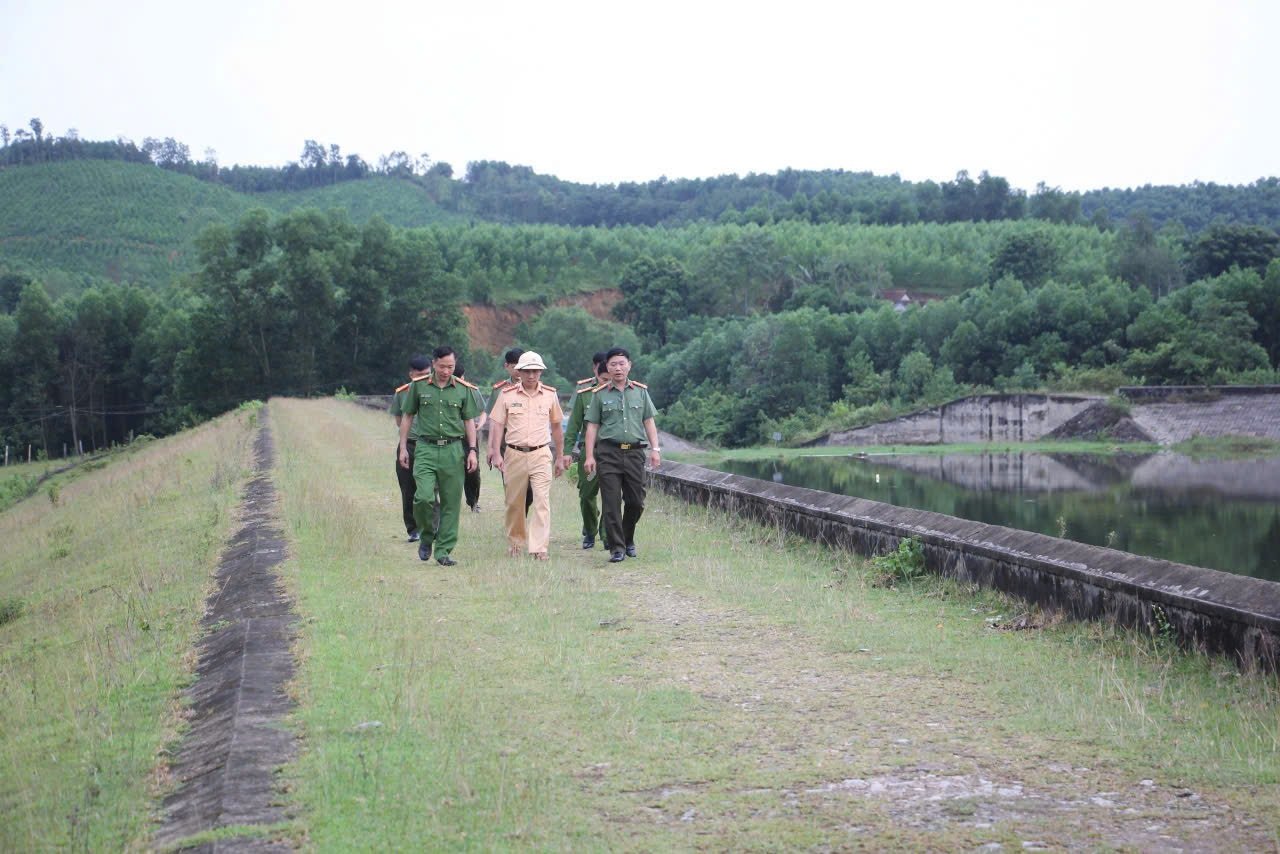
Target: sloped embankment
229, 757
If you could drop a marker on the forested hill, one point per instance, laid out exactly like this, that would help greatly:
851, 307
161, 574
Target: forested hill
130, 222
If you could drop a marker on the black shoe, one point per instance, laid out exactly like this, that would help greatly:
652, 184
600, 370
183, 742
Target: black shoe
424, 551
631, 549
445, 560
617, 556
588, 542
414, 536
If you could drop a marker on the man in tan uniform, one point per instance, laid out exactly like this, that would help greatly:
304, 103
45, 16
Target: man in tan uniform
531, 417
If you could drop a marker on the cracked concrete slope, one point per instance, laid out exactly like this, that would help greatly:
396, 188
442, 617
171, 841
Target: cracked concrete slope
228, 760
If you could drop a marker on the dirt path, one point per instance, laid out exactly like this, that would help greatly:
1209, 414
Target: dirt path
867, 753
228, 759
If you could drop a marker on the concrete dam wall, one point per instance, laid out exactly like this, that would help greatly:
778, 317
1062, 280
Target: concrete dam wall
980, 418
1162, 414
1237, 616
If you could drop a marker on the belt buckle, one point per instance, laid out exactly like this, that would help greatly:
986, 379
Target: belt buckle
626, 446
442, 441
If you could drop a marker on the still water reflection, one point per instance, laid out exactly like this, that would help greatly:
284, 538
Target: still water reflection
1223, 514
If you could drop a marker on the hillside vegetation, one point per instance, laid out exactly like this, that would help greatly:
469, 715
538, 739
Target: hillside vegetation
73, 222
330, 274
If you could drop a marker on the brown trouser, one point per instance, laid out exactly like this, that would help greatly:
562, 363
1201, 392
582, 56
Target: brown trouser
622, 481
528, 471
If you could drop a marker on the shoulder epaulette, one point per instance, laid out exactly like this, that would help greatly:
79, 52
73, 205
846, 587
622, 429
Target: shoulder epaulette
467, 384
425, 379
405, 386
599, 387
634, 384
587, 380
546, 387
501, 384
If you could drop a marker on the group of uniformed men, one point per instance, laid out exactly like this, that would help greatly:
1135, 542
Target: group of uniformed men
611, 435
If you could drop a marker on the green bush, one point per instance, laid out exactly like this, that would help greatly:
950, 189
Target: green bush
11, 608
903, 566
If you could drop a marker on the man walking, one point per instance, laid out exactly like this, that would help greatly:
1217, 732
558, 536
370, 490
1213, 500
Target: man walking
509, 361
620, 426
446, 449
531, 417
471, 483
588, 486
419, 367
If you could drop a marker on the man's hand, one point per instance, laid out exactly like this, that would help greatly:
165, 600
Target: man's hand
589, 464
473, 463
655, 458
562, 463
404, 457
495, 462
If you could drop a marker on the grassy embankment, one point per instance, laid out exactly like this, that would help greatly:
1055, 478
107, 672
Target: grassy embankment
102, 582
731, 688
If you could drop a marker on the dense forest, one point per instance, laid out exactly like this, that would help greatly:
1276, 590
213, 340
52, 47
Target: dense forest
501, 192
744, 323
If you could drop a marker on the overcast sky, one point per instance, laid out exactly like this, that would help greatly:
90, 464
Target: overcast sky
1077, 94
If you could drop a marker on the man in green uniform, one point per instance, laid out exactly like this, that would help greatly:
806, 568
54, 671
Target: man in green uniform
419, 367
446, 449
471, 483
619, 427
588, 487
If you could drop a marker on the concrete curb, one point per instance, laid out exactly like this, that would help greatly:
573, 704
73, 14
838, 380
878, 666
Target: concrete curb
1213, 611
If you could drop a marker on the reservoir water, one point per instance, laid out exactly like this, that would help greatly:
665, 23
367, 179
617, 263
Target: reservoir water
1223, 514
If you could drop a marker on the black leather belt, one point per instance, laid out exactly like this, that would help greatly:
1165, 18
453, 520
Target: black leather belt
442, 441
527, 449
625, 446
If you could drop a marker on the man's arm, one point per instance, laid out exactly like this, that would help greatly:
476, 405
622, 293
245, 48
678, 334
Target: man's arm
575, 422
557, 440
469, 427
405, 421
497, 422
655, 453
589, 460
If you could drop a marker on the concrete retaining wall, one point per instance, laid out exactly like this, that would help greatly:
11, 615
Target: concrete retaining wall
1209, 610
1172, 414
980, 418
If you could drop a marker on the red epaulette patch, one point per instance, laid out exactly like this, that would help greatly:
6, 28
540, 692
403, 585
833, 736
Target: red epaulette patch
405, 386
599, 387
546, 387
465, 383
634, 384
587, 380
501, 384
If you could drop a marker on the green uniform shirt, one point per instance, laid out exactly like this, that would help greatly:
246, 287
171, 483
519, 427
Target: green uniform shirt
621, 413
441, 412
397, 407
576, 417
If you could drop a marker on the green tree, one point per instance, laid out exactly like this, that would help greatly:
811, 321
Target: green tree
34, 361
1249, 247
1030, 257
654, 293
567, 337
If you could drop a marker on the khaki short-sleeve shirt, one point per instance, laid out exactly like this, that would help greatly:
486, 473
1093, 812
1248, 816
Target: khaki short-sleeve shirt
528, 418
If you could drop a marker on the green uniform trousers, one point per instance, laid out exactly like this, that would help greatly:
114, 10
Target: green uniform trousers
589, 505
442, 468
622, 488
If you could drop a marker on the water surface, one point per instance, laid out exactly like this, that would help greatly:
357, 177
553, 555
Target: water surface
1223, 514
